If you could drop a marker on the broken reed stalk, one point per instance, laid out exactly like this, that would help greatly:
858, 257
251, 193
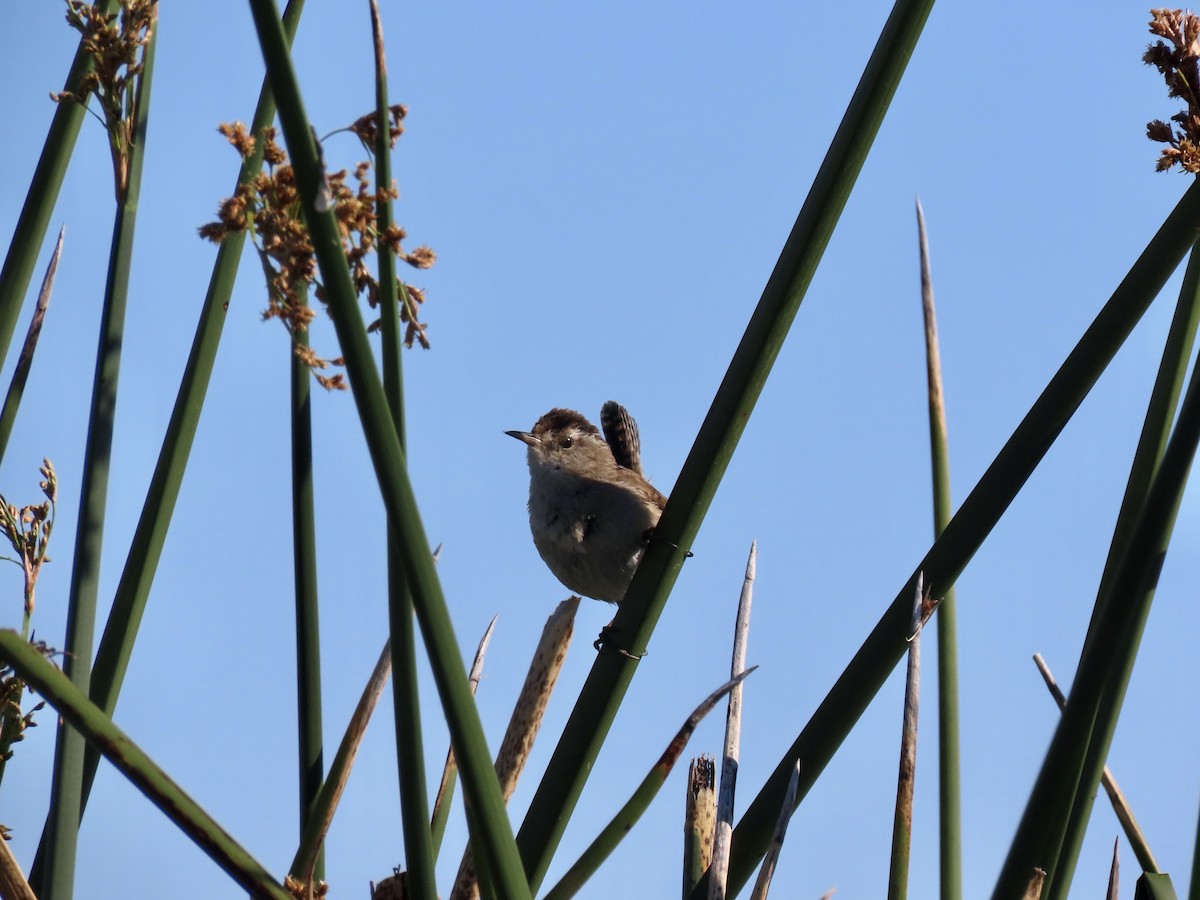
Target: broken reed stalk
525, 722
733, 735
699, 816
1033, 890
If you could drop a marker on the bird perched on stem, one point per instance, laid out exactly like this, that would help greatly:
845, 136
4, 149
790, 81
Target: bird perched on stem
591, 510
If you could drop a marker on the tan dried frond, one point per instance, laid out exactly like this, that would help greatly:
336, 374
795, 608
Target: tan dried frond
421, 258
367, 127
273, 154
116, 44
269, 209
237, 135
28, 530
1176, 58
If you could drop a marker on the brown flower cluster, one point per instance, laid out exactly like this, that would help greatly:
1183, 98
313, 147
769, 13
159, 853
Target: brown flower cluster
118, 57
13, 720
367, 127
28, 531
268, 207
302, 890
1176, 61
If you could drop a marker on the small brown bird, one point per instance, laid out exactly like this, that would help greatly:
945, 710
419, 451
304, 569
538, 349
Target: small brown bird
591, 509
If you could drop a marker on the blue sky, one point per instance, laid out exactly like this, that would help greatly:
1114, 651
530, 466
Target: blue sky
607, 189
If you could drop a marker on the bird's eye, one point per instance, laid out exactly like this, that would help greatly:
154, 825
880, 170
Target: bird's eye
567, 443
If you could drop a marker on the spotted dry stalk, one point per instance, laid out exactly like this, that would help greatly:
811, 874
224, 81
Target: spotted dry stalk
524, 724
1176, 61
117, 45
699, 819
268, 207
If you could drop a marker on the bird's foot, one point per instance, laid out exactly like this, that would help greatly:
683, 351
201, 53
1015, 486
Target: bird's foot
606, 643
651, 534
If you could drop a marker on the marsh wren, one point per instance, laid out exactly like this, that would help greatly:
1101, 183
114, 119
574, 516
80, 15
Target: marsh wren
591, 509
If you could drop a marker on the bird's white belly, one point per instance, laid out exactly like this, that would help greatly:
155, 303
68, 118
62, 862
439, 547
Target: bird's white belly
592, 554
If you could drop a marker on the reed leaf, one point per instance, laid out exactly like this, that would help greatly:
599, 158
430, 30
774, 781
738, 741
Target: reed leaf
766, 872
1106, 660
419, 853
705, 465
445, 791
320, 812
43, 193
965, 533
493, 834
1154, 886
622, 823
1194, 886
906, 781
91, 723
133, 588
16, 387
1160, 413
66, 795
1121, 808
304, 566
949, 770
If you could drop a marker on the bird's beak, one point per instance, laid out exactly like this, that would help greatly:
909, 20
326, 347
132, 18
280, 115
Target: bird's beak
525, 437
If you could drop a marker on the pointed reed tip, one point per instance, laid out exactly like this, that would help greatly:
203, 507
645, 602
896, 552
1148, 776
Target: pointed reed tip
741, 676
377, 35
484, 641
752, 562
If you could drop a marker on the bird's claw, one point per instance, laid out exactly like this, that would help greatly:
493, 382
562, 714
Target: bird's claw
606, 643
651, 533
